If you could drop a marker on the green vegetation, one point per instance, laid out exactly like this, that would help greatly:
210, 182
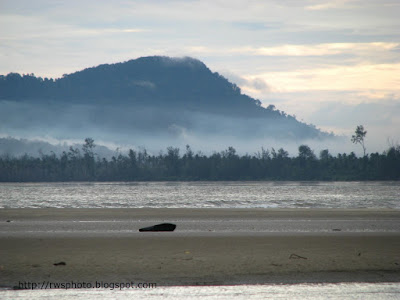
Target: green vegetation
85, 165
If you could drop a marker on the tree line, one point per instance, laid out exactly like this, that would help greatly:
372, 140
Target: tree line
267, 164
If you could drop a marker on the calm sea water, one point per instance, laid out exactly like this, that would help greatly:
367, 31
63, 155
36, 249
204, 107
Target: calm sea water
202, 195
361, 291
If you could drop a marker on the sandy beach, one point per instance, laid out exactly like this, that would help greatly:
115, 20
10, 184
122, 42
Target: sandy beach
209, 246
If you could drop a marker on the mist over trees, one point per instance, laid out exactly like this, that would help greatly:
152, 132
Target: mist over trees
83, 164
12, 147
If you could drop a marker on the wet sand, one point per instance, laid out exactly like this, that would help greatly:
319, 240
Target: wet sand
216, 251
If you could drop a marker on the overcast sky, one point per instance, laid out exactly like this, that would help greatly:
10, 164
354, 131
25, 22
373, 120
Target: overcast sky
335, 63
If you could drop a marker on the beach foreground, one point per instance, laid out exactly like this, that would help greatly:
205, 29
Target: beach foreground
210, 246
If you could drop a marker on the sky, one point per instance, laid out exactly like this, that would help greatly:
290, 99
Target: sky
334, 64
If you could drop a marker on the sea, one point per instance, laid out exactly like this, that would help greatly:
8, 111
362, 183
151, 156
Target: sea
359, 291
271, 194
220, 194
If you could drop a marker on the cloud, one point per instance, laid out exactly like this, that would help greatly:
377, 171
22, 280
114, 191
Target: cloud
363, 77
144, 83
36, 27
253, 86
324, 49
317, 50
330, 5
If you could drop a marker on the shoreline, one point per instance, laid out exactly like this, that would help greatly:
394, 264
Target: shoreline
192, 213
188, 257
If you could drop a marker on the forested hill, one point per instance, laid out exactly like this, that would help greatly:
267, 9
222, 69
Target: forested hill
157, 93
150, 80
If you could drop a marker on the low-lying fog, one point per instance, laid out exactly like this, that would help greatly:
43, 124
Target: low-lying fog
51, 127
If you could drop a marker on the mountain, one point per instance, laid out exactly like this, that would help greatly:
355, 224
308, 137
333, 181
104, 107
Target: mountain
143, 99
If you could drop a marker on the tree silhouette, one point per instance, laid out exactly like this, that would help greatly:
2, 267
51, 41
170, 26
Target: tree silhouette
359, 136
